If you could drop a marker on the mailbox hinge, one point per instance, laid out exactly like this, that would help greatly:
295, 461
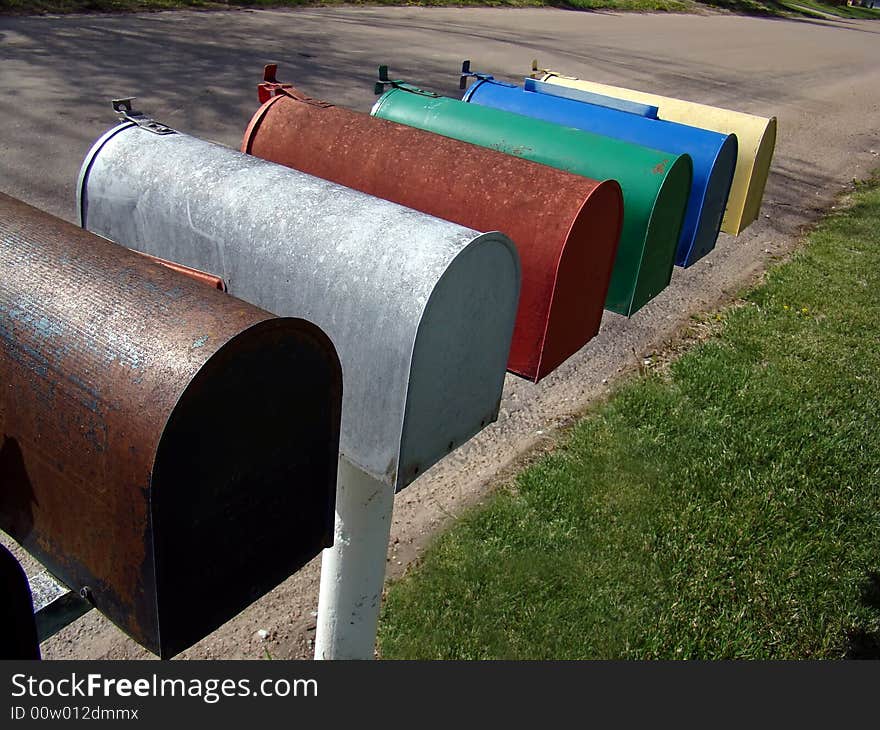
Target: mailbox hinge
398, 84
538, 71
124, 111
270, 87
466, 73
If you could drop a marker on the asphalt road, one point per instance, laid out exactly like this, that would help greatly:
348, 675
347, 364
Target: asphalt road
197, 71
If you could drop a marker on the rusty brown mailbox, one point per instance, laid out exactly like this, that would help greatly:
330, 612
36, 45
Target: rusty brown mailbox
167, 450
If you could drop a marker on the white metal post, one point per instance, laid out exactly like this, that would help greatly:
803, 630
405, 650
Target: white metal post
353, 570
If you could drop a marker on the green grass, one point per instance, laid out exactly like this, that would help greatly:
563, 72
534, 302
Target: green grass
749, 7
727, 506
841, 11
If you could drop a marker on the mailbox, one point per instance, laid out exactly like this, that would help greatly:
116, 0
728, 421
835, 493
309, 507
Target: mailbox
655, 184
713, 154
756, 138
420, 310
566, 227
167, 451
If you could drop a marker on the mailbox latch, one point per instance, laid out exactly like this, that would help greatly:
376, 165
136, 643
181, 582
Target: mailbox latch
270, 87
466, 73
124, 110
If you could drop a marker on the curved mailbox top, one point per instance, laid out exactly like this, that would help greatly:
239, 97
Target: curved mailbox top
567, 92
655, 184
565, 226
713, 154
756, 137
420, 310
169, 447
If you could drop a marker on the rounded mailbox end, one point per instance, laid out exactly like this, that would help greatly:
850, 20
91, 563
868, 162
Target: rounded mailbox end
379, 103
760, 172
583, 274
663, 231
460, 353
713, 202
253, 126
244, 481
82, 178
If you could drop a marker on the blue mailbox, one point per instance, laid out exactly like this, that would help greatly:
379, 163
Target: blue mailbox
714, 154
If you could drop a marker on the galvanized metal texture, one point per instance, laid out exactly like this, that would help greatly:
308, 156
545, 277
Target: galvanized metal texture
713, 154
756, 137
420, 310
18, 630
566, 227
167, 451
655, 185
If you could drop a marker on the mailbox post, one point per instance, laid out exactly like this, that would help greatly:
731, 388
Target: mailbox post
713, 154
756, 138
167, 451
421, 311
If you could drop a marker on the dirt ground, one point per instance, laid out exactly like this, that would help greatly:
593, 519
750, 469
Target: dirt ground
197, 71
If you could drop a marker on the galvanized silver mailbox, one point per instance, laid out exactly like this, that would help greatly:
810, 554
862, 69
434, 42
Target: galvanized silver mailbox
421, 311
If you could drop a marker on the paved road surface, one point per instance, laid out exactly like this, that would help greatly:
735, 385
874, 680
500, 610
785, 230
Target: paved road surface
196, 71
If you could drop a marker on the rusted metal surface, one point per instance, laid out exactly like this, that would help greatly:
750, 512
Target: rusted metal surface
566, 227
18, 630
167, 448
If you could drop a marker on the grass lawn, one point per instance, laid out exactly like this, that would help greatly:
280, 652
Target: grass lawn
727, 505
749, 7
823, 9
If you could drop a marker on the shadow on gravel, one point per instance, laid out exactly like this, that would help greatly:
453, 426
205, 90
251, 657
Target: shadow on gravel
796, 192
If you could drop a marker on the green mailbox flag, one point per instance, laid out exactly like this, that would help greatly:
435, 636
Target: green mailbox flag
655, 184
